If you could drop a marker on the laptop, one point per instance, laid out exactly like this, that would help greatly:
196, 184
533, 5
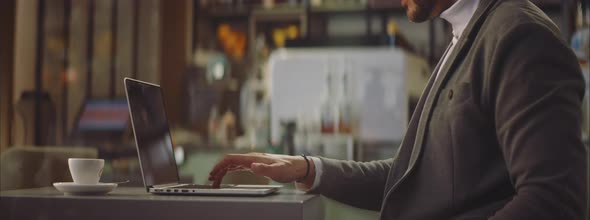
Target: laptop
155, 149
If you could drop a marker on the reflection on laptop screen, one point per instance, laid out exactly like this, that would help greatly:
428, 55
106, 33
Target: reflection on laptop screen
104, 115
152, 133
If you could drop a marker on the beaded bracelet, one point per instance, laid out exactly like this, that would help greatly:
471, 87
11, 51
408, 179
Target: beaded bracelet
306, 171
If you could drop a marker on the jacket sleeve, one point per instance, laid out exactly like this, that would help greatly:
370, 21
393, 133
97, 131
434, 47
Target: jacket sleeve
360, 184
536, 97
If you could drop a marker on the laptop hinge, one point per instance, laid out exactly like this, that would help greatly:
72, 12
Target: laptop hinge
167, 185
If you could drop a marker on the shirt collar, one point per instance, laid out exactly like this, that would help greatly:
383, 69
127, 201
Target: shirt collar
459, 15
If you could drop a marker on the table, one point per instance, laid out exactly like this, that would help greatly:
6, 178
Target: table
136, 203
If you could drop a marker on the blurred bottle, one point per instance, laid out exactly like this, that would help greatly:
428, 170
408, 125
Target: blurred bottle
213, 126
345, 111
391, 32
289, 127
329, 107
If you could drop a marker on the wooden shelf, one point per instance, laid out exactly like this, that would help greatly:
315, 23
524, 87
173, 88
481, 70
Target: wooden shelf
345, 41
246, 11
225, 13
352, 11
233, 13
278, 14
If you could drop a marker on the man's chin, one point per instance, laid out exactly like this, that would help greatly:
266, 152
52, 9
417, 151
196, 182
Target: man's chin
416, 17
420, 11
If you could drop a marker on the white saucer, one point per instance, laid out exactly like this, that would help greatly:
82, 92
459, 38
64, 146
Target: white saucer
70, 188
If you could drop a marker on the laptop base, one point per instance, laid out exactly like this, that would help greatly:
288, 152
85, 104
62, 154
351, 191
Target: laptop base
230, 190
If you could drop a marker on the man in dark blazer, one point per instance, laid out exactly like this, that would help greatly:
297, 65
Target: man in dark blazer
495, 135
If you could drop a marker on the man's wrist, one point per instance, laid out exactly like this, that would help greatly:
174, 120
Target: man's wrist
304, 168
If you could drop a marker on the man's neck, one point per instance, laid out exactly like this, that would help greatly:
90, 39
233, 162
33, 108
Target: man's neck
448, 3
459, 14
442, 6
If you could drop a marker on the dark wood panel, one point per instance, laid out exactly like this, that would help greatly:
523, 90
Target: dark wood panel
173, 51
7, 19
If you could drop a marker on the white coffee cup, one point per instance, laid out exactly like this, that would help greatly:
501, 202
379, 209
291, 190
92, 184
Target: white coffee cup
86, 171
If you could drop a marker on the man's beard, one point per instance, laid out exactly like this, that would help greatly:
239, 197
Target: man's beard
420, 11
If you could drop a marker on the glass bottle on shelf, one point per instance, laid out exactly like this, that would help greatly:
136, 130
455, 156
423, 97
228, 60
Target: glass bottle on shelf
345, 119
391, 32
329, 105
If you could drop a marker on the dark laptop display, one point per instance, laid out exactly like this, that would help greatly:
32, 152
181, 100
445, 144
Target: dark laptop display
152, 134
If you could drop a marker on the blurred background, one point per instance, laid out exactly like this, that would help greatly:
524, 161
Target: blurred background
334, 78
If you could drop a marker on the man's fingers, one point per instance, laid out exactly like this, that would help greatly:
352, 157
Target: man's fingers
229, 168
236, 168
227, 161
233, 160
218, 178
221, 164
219, 175
243, 160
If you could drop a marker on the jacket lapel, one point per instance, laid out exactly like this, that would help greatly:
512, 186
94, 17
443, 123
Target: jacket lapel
413, 124
460, 49
410, 136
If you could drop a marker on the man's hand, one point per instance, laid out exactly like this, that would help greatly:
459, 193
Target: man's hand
280, 168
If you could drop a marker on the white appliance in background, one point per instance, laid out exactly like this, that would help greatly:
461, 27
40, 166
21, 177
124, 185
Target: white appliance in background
377, 86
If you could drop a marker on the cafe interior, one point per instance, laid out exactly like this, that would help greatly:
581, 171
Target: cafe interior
330, 78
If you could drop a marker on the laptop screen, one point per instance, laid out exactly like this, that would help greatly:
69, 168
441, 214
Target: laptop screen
152, 133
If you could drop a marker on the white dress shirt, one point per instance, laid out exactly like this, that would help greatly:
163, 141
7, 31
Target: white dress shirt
459, 15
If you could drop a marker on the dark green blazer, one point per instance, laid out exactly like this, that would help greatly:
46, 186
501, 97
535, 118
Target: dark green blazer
496, 136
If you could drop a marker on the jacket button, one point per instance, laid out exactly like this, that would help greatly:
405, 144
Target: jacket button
451, 94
